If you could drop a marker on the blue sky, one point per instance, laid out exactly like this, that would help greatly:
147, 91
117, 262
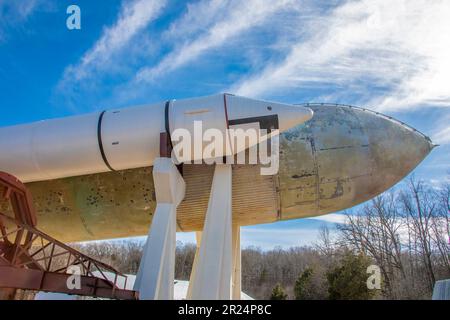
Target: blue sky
391, 56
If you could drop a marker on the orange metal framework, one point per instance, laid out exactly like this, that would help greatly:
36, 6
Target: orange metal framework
28, 256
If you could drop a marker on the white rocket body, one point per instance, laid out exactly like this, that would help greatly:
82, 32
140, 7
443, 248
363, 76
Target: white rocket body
127, 138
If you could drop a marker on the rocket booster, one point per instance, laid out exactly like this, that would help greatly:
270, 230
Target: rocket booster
129, 138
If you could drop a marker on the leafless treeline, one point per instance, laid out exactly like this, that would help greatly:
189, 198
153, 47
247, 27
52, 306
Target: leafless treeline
407, 235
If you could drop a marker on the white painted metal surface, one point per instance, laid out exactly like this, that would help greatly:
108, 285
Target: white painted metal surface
129, 137
196, 116
236, 254
213, 272
156, 273
51, 149
288, 115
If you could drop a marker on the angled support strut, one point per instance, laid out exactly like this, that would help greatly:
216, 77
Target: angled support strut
212, 274
155, 278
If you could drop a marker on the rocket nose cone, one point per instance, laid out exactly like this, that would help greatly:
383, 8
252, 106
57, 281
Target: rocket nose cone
290, 116
343, 157
396, 147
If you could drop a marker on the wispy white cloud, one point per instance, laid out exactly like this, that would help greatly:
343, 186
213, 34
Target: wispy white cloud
440, 131
399, 46
220, 22
13, 12
442, 136
133, 18
331, 218
20, 10
197, 17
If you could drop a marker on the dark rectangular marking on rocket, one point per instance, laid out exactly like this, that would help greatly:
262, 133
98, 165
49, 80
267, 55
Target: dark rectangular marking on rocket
265, 122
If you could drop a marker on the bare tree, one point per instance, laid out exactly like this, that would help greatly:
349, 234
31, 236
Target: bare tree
440, 225
325, 244
418, 204
375, 231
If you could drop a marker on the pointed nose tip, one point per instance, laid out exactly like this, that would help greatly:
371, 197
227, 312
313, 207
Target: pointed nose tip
397, 147
292, 116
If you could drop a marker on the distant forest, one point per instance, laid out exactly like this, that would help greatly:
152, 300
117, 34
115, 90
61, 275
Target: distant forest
405, 233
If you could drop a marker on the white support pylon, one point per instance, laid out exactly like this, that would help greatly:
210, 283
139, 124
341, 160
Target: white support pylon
155, 278
198, 238
211, 278
236, 276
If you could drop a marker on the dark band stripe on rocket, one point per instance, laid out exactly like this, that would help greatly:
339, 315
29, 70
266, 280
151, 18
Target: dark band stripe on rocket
100, 142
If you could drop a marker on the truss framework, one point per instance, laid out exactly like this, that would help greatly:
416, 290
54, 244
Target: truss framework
31, 259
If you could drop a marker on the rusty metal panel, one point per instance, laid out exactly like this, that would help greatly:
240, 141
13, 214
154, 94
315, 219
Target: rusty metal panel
99, 206
298, 173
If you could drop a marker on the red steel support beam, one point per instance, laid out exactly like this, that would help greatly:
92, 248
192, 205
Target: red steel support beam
27, 254
30, 279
